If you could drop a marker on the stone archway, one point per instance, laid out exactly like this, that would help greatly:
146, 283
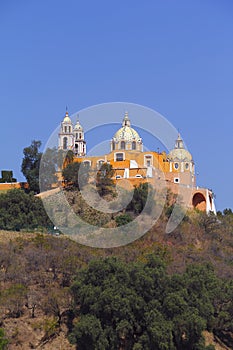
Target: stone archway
199, 201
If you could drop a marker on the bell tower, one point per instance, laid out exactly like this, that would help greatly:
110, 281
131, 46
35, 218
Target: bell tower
79, 141
66, 138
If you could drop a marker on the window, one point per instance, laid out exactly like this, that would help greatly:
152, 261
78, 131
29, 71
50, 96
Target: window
76, 135
87, 162
186, 166
69, 128
65, 128
148, 160
113, 146
133, 145
122, 144
138, 176
65, 143
80, 135
100, 163
119, 157
118, 177
176, 180
176, 165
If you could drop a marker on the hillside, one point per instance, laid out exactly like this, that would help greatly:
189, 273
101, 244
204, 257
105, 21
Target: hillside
38, 305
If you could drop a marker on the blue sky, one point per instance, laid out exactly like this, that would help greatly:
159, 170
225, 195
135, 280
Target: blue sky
172, 56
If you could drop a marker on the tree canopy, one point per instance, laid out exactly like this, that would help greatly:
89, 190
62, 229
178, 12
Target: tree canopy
76, 174
31, 165
139, 306
104, 182
19, 210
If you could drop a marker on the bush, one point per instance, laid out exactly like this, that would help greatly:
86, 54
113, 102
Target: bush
123, 219
19, 210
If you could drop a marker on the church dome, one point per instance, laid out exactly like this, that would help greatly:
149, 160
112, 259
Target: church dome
179, 153
67, 118
126, 132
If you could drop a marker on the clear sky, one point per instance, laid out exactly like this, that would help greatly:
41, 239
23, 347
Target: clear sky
174, 56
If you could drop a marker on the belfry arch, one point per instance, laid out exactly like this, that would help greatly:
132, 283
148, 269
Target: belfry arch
199, 201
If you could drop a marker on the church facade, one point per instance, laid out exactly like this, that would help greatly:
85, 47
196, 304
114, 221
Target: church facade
176, 170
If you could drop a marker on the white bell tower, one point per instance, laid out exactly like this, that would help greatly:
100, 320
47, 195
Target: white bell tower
66, 137
79, 141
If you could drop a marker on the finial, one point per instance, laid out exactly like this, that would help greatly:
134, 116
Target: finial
126, 121
67, 114
179, 142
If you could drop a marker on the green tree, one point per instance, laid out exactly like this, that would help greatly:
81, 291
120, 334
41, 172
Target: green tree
7, 176
188, 328
76, 174
69, 157
31, 165
120, 297
19, 210
140, 198
104, 181
123, 219
48, 166
88, 334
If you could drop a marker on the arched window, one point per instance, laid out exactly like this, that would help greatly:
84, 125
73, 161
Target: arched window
65, 143
133, 145
76, 136
122, 144
100, 163
80, 135
69, 128
65, 128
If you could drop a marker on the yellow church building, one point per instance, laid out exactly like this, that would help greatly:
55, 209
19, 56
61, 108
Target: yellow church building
131, 162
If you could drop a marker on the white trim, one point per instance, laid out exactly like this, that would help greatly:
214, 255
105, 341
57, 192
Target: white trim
182, 167
170, 167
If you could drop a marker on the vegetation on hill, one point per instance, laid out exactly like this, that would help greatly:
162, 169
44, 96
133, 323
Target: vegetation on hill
159, 292
21, 211
164, 291
139, 306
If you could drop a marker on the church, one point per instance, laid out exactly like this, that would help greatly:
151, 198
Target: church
129, 160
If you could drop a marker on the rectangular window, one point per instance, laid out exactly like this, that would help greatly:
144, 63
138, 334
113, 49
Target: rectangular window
148, 161
119, 157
